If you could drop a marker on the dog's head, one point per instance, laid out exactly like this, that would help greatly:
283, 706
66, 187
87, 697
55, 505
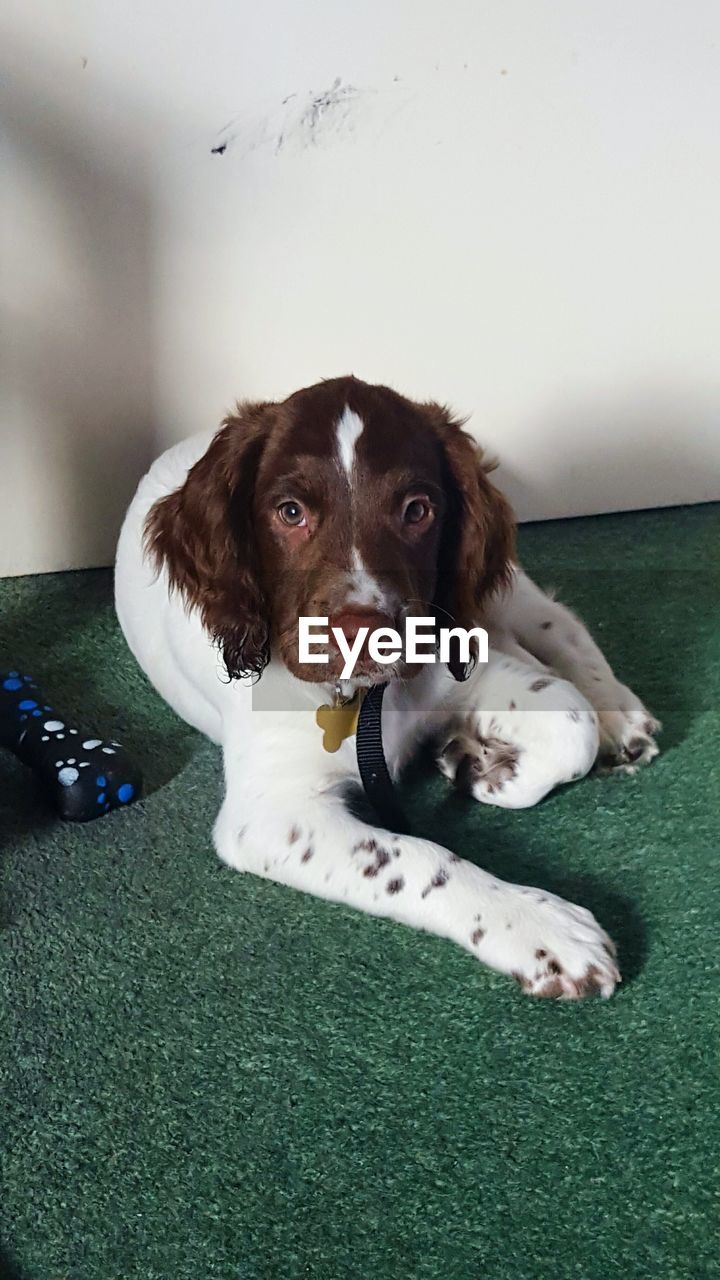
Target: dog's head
346, 501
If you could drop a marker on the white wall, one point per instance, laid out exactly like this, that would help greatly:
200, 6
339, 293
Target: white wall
512, 205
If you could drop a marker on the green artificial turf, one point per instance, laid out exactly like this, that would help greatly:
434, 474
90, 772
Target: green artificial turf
206, 1075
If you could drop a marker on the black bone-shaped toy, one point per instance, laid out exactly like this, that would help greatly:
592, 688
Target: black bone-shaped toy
84, 775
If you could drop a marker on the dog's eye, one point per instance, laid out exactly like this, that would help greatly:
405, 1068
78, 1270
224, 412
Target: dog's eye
417, 511
292, 513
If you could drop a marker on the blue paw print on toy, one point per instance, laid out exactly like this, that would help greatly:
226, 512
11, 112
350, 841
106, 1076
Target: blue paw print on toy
101, 782
88, 776
29, 707
69, 772
14, 682
124, 793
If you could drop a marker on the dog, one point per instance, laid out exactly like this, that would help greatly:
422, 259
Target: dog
349, 501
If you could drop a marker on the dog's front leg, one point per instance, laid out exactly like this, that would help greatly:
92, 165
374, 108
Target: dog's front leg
310, 841
556, 637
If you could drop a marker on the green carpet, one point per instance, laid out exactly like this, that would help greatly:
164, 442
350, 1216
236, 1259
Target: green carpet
206, 1075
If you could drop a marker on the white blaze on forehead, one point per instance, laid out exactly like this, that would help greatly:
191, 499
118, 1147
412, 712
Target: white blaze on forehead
349, 428
363, 587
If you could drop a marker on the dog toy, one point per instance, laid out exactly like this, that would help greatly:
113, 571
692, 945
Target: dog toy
84, 775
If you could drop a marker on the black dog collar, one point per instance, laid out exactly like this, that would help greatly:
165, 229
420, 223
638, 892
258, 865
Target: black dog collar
373, 768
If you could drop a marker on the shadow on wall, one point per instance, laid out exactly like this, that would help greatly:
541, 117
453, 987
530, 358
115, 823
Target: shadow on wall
78, 425
77, 428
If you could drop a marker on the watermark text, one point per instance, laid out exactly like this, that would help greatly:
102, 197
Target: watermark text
421, 643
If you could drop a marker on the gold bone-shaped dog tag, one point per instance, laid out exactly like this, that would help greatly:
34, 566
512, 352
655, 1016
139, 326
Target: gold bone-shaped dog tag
338, 723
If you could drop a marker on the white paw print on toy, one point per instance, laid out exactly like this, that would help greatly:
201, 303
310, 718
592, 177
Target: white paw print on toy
55, 730
68, 771
91, 743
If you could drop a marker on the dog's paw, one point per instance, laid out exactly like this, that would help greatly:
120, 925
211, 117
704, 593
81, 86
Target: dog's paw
627, 736
479, 766
552, 948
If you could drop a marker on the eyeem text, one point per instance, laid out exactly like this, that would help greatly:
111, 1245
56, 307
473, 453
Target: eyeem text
386, 645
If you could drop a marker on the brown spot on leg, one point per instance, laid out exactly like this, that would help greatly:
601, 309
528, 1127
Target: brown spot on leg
394, 886
366, 846
545, 626
308, 854
574, 715
541, 987
512, 706
438, 881
382, 858
537, 686
293, 835
540, 955
476, 936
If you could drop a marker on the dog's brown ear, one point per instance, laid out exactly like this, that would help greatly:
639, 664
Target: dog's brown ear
202, 534
479, 536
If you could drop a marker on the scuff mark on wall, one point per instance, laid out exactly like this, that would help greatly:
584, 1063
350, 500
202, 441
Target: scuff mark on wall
330, 111
311, 119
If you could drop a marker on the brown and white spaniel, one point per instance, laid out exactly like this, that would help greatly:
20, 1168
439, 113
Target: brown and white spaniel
350, 502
